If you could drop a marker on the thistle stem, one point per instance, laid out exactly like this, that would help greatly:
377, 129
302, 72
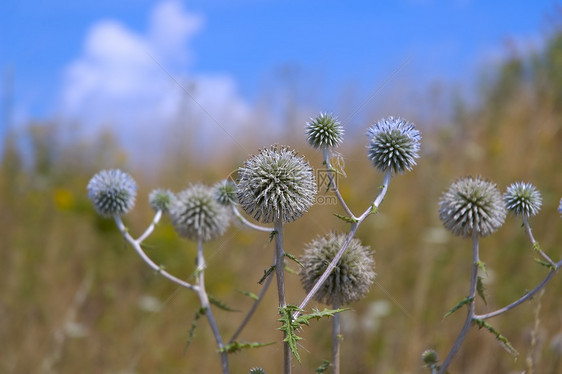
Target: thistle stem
336, 339
280, 274
136, 244
248, 223
535, 244
333, 185
470, 315
204, 300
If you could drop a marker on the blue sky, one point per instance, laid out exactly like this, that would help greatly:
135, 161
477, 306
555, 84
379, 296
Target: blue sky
107, 61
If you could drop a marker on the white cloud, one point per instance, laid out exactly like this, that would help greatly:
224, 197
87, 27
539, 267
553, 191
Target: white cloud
120, 80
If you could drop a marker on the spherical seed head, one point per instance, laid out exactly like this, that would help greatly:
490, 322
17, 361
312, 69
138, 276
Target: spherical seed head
472, 206
225, 192
324, 131
429, 357
112, 192
276, 184
352, 277
197, 215
160, 199
394, 145
522, 199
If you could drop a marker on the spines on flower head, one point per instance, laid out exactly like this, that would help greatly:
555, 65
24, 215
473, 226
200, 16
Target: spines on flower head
160, 199
349, 281
429, 358
472, 206
197, 215
522, 199
324, 131
112, 192
394, 145
225, 192
276, 184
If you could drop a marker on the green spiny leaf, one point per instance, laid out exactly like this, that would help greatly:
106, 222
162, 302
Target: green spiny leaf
251, 295
266, 273
289, 327
482, 266
545, 264
481, 289
235, 346
200, 312
502, 339
323, 367
537, 246
293, 258
272, 235
317, 314
220, 304
458, 306
346, 218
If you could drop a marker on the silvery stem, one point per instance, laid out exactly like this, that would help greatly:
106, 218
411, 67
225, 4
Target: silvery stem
280, 274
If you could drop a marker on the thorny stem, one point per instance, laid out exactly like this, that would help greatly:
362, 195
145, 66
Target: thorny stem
336, 338
353, 229
534, 242
204, 300
470, 315
252, 309
248, 223
280, 274
136, 244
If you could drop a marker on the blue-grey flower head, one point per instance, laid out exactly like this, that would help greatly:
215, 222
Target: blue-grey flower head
522, 199
276, 184
349, 281
324, 131
429, 358
472, 205
197, 215
160, 199
394, 145
112, 192
225, 192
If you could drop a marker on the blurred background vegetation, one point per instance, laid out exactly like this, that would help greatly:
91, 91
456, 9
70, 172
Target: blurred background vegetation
74, 298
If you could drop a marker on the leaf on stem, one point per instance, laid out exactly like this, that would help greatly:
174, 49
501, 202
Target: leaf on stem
289, 325
545, 264
266, 273
236, 347
502, 339
323, 367
251, 295
346, 218
481, 289
293, 258
272, 235
200, 312
459, 305
220, 304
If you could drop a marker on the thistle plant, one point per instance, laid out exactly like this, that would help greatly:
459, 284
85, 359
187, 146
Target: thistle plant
474, 208
112, 192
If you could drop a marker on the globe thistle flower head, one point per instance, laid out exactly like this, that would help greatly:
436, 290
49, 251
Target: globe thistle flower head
394, 145
276, 184
324, 131
429, 358
523, 199
160, 199
112, 192
349, 281
472, 205
197, 215
225, 192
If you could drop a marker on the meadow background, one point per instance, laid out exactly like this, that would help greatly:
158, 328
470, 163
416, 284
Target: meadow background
74, 298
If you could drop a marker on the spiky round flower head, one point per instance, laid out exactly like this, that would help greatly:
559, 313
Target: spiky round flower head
429, 358
257, 371
324, 131
160, 199
197, 215
225, 192
349, 281
472, 206
522, 199
276, 184
394, 145
112, 192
